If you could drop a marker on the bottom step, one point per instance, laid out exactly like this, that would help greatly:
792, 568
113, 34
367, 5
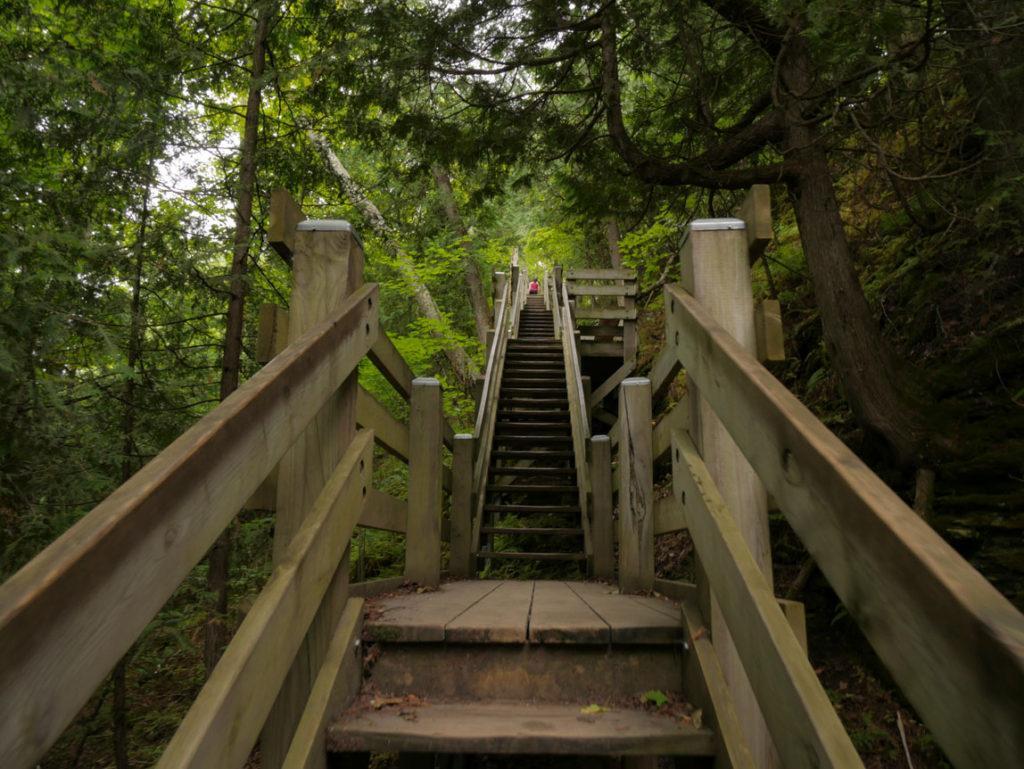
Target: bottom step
513, 728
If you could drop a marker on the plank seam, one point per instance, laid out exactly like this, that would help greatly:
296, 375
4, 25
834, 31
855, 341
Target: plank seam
529, 612
595, 611
470, 606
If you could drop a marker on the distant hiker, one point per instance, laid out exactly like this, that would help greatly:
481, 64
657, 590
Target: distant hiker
534, 286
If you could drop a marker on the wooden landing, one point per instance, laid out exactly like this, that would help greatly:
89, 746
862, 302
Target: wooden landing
498, 727
517, 612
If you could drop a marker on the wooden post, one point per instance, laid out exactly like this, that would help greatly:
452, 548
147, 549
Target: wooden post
423, 531
585, 380
636, 487
327, 265
460, 563
602, 525
716, 270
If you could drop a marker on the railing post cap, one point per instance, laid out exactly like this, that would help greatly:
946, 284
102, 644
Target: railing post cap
328, 225
463, 436
636, 381
725, 223
425, 381
599, 439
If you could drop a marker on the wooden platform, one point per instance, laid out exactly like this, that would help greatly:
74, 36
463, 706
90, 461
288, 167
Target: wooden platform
517, 612
497, 727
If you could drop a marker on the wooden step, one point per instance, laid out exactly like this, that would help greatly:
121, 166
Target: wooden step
514, 728
531, 509
536, 401
533, 439
534, 413
532, 391
559, 471
537, 455
533, 531
534, 425
547, 488
510, 556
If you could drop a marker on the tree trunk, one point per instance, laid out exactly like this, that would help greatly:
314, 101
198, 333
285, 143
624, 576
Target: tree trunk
475, 284
215, 631
877, 392
611, 232
462, 364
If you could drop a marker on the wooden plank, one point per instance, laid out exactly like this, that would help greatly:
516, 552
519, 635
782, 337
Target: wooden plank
423, 530
415, 617
336, 686
636, 488
797, 619
664, 371
951, 642
272, 334
285, 216
579, 273
559, 615
327, 265
600, 349
517, 728
605, 313
609, 384
375, 587
804, 727
102, 581
390, 363
224, 722
501, 616
461, 563
669, 515
629, 621
602, 508
756, 211
771, 341
384, 512
582, 289
676, 418
705, 685
675, 589
390, 434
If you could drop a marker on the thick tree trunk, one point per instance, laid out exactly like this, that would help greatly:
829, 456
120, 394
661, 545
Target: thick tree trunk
462, 364
873, 383
215, 632
475, 284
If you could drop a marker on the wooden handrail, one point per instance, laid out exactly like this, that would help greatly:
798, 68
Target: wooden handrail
953, 644
579, 418
804, 726
75, 609
224, 722
487, 412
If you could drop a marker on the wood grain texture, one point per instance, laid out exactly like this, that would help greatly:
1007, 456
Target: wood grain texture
224, 722
601, 508
518, 728
581, 273
706, 688
676, 418
285, 215
669, 515
335, 688
461, 563
384, 512
804, 727
418, 617
423, 530
771, 340
636, 487
629, 621
664, 370
560, 616
715, 263
952, 643
756, 211
102, 581
501, 616
605, 313
327, 266
583, 289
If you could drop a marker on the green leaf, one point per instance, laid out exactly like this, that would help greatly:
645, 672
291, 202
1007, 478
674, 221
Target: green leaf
593, 710
655, 697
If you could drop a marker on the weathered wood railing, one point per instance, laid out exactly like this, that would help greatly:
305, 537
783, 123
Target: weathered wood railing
579, 413
952, 643
475, 449
73, 611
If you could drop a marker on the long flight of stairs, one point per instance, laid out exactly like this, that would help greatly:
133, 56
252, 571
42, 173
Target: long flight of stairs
532, 504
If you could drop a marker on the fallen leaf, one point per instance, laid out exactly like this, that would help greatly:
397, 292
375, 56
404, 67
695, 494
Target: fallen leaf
697, 717
655, 697
591, 710
701, 632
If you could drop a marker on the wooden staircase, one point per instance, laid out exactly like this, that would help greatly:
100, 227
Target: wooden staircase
523, 668
532, 503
